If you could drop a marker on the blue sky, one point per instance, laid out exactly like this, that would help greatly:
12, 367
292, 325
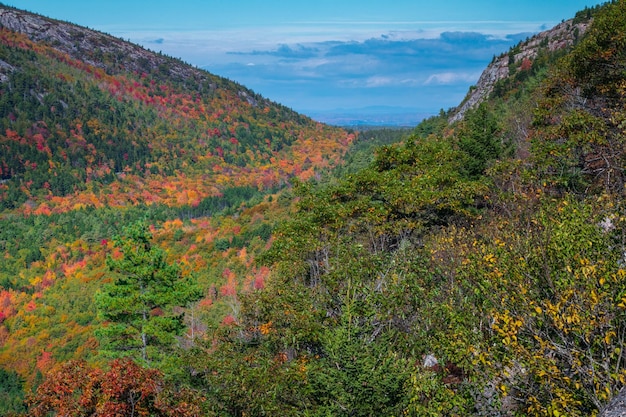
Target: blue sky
361, 58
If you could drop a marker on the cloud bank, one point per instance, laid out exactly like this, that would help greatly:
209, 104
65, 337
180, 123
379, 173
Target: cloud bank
319, 69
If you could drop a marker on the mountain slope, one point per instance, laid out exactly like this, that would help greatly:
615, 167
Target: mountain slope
91, 47
80, 107
521, 57
97, 133
477, 268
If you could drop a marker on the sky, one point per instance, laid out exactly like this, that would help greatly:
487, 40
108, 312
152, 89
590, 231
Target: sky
381, 61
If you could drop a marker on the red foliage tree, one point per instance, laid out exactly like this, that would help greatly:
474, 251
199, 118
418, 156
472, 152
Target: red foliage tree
69, 391
126, 390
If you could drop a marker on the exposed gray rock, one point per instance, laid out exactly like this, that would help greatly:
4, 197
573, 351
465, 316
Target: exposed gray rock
561, 36
89, 46
5, 68
251, 100
430, 361
617, 406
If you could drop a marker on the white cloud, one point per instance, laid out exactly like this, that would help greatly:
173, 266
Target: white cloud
378, 81
450, 77
249, 39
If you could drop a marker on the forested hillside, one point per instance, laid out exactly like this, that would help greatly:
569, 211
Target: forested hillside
475, 268
97, 134
109, 113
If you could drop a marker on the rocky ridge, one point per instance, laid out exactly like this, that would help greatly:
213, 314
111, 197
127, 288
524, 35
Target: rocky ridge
102, 50
561, 36
88, 45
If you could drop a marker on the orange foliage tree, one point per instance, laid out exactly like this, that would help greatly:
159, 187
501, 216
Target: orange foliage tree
126, 389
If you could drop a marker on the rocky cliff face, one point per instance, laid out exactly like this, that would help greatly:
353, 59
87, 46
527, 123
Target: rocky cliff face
91, 46
561, 36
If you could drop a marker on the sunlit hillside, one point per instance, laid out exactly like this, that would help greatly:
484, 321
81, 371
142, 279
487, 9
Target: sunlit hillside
98, 133
178, 246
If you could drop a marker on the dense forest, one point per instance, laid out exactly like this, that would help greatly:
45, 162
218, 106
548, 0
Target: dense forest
184, 247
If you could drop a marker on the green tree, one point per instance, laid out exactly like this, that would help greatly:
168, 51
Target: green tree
142, 305
479, 140
11, 393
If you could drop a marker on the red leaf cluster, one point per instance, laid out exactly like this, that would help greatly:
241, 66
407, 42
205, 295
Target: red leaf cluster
77, 390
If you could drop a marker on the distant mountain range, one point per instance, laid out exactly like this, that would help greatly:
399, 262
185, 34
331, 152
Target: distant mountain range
383, 116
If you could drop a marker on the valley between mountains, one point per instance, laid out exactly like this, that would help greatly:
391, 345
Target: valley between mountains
174, 244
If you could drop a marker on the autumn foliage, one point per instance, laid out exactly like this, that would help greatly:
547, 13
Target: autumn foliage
142, 137
76, 389
466, 268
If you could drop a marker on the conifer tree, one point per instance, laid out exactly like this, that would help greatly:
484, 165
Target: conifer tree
141, 303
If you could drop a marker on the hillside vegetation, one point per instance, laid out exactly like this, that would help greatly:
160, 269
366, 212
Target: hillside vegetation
98, 134
474, 268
